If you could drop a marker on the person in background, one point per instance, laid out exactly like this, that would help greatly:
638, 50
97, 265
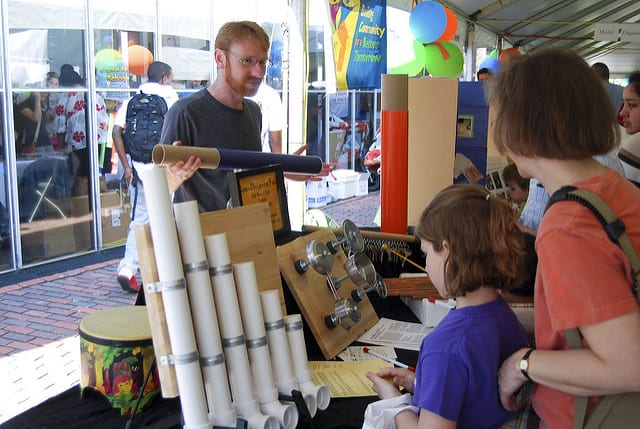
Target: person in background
49, 103
30, 127
629, 152
159, 76
613, 91
583, 279
272, 117
538, 197
483, 74
517, 187
473, 247
71, 128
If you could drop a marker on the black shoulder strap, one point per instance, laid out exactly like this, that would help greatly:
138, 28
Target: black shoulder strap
616, 231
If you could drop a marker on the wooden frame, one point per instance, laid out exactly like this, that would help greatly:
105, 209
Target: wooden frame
263, 185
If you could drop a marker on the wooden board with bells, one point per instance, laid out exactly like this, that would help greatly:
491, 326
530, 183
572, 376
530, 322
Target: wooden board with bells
313, 295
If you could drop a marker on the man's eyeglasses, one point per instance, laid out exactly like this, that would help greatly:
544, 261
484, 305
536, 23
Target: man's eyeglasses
251, 62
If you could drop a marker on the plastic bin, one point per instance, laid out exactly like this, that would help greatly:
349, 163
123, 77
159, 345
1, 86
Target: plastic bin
342, 184
362, 185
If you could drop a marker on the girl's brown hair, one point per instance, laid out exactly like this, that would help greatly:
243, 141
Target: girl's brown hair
486, 246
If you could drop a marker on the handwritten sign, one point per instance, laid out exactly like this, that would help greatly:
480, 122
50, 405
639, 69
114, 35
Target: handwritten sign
262, 185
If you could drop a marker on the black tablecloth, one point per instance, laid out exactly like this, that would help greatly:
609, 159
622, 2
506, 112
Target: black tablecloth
71, 411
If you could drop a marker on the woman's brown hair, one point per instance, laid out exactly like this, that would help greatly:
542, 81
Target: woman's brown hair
550, 104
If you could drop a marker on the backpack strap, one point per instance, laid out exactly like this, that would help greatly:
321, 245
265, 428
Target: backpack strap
613, 226
616, 231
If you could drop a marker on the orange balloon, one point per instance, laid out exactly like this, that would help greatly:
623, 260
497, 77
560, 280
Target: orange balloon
139, 59
506, 55
452, 26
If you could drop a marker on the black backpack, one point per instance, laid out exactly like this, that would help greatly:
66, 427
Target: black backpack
145, 116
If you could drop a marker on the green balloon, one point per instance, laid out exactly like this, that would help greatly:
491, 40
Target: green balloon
493, 54
105, 56
415, 66
443, 59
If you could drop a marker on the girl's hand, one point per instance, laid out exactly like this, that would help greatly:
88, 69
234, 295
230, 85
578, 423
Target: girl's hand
510, 379
400, 377
385, 388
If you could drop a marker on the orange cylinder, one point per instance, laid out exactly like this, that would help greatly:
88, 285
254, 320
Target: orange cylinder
395, 159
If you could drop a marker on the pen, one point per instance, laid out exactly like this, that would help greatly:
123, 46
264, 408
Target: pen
446, 305
386, 359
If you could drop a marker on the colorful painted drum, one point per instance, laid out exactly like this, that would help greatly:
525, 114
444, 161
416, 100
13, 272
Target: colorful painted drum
116, 353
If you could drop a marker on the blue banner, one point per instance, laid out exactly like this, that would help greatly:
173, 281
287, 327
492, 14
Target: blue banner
359, 42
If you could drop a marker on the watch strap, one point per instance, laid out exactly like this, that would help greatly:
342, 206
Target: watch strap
524, 364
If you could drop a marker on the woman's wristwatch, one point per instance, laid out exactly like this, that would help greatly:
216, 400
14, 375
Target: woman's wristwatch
524, 364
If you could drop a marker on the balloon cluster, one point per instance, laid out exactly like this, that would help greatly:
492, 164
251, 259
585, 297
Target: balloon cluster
433, 26
495, 62
138, 59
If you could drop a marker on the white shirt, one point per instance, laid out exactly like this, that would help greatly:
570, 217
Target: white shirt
272, 113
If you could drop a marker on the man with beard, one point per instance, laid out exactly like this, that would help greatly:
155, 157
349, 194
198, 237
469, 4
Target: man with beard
219, 116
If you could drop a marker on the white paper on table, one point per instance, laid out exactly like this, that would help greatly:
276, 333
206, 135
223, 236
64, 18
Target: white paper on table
357, 354
403, 335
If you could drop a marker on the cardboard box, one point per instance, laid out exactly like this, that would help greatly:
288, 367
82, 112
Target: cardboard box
48, 238
316, 194
115, 225
115, 217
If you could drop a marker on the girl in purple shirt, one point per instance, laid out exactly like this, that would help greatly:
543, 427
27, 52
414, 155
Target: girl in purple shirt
473, 248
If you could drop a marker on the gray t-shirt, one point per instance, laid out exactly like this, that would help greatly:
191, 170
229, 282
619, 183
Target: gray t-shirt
201, 120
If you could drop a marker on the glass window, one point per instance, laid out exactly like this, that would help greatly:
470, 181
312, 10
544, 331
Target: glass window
48, 88
6, 254
186, 43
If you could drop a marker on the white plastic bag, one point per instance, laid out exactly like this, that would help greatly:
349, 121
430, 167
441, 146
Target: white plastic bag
381, 414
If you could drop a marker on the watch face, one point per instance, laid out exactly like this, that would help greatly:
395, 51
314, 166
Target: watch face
524, 364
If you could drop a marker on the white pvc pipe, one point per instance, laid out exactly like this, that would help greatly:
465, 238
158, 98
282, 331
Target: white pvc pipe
253, 322
203, 310
233, 339
174, 298
295, 335
283, 370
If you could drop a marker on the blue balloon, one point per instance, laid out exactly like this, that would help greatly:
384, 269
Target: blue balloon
427, 21
491, 64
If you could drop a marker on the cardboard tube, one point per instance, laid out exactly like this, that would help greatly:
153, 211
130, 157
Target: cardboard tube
231, 159
394, 188
203, 310
165, 155
174, 298
233, 339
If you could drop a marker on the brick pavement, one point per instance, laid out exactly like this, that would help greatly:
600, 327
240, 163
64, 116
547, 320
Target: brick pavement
46, 309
